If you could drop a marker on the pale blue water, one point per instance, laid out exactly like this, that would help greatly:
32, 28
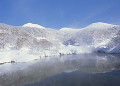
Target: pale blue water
96, 69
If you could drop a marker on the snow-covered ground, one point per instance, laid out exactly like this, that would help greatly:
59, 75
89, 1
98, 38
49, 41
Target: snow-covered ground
32, 41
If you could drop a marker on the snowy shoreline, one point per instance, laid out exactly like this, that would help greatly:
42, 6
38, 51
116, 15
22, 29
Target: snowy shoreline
20, 73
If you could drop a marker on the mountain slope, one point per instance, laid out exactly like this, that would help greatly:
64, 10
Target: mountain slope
32, 41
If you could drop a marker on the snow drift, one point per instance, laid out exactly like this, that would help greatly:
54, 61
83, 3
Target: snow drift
32, 41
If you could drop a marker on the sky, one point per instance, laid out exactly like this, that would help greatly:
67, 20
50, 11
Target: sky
57, 14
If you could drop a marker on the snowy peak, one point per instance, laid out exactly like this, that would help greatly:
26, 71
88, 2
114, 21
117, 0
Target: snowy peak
100, 25
65, 28
33, 25
68, 29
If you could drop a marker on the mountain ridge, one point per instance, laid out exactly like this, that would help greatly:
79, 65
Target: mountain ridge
25, 43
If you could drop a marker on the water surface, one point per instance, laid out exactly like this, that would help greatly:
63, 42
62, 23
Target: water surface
95, 69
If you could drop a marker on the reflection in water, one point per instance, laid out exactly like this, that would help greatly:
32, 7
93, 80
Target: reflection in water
78, 78
50, 66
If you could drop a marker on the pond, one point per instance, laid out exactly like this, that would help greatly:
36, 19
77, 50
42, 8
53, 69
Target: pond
94, 69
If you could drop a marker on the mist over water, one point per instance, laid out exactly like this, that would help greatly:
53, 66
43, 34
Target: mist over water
36, 71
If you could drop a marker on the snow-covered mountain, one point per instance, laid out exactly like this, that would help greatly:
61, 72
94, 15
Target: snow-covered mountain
32, 41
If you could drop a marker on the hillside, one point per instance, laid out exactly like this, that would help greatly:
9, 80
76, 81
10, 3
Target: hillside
32, 41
